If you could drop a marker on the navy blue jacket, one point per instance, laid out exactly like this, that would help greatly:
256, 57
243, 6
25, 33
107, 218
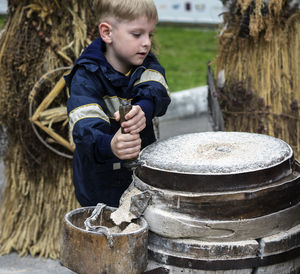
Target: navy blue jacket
96, 90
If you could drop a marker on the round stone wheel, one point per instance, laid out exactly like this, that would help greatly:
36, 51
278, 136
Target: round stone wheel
215, 161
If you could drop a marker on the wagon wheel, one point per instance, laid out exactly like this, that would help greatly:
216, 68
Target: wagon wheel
48, 113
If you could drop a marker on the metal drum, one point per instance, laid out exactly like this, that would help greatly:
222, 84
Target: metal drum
222, 201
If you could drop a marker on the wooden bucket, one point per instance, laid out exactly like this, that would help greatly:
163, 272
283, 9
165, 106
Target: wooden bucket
87, 252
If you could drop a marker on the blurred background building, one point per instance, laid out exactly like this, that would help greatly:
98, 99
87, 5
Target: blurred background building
3, 6
181, 11
193, 11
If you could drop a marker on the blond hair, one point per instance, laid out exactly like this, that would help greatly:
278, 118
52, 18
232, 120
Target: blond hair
125, 9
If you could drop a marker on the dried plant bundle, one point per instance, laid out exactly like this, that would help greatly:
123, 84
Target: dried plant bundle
38, 38
259, 53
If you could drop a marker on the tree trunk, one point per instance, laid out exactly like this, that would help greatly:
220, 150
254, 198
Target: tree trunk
40, 37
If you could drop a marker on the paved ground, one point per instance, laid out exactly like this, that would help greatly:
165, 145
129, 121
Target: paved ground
199, 123
13, 264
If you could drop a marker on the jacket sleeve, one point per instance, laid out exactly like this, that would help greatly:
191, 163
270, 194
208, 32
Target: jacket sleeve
89, 123
152, 86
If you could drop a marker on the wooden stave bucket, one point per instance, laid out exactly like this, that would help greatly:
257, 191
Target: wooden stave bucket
87, 252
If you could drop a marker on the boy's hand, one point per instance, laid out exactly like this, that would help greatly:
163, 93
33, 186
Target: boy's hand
136, 120
126, 146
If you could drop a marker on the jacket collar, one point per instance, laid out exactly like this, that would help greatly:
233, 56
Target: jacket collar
93, 57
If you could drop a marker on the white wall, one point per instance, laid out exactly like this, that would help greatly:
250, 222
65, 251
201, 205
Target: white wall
3, 6
192, 11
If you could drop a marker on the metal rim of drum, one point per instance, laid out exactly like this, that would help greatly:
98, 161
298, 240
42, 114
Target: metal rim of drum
227, 256
244, 263
276, 205
240, 204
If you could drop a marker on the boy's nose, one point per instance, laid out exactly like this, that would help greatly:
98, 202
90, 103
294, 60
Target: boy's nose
147, 41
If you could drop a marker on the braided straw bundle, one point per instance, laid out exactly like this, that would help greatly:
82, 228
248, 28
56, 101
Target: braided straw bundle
39, 36
259, 51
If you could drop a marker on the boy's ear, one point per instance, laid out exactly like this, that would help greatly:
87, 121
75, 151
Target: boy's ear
105, 32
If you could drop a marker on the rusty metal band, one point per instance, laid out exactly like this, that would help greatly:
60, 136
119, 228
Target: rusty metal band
231, 264
211, 183
254, 203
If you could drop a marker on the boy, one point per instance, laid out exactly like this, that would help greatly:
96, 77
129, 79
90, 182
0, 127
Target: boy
116, 67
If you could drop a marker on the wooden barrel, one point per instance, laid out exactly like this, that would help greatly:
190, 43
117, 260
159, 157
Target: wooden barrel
222, 201
87, 252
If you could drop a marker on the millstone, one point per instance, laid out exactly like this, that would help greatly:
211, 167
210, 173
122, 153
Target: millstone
215, 161
216, 153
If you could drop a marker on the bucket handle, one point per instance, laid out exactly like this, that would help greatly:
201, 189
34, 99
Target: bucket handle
98, 228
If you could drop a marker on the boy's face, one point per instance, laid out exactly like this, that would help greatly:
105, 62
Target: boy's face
130, 43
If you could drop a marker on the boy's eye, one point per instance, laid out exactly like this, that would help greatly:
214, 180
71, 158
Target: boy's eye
136, 34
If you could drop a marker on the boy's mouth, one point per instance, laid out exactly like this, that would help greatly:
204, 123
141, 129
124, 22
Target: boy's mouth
142, 54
